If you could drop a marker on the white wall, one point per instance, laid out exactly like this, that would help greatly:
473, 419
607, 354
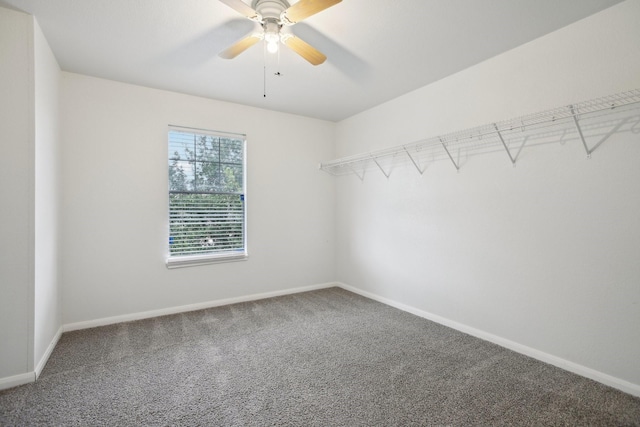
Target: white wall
29, 299
114, 210
47, 310
16, 192
543, 255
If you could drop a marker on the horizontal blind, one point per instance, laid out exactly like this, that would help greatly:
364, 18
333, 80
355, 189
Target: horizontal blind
206, 193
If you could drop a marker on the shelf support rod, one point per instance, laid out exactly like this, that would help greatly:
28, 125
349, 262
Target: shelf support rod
579, 129
413, 161
504, 144
383, 172
449, 154
524, 141
357, 174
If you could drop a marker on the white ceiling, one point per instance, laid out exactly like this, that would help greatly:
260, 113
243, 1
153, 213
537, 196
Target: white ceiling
376, 49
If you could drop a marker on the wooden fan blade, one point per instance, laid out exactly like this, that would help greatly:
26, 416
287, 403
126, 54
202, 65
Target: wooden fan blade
305, 50
239, 47
305, 8
242, 8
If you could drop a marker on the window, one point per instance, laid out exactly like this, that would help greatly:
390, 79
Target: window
207, 212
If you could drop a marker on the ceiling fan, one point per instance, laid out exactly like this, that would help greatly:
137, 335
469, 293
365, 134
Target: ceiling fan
272, 15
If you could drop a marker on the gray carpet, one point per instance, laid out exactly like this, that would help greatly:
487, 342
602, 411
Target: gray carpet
323, 358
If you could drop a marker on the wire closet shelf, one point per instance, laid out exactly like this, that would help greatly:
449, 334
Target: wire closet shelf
508, 135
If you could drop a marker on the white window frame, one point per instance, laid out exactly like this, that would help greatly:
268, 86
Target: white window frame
177, 261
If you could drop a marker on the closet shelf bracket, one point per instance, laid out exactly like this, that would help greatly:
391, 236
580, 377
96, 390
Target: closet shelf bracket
380, 167
357, 174
420, 171
579, 129
444, 145
504, 144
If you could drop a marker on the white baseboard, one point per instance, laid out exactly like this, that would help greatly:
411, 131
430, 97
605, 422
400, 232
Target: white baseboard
45, 357
29, 377
620, 384
190, 307
16, 380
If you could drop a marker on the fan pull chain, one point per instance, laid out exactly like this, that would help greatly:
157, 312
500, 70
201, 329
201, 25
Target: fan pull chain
264, 70
265, 57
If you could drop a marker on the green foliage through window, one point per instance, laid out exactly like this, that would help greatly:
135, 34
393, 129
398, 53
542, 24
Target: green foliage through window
206, 193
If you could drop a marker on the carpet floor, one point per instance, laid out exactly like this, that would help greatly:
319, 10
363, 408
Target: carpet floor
321, 358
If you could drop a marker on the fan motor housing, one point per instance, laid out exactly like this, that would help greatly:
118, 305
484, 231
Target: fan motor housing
270, 8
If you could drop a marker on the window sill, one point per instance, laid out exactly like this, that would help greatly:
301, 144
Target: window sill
193, 260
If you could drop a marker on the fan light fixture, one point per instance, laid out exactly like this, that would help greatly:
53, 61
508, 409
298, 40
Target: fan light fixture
272, 36
272, 46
